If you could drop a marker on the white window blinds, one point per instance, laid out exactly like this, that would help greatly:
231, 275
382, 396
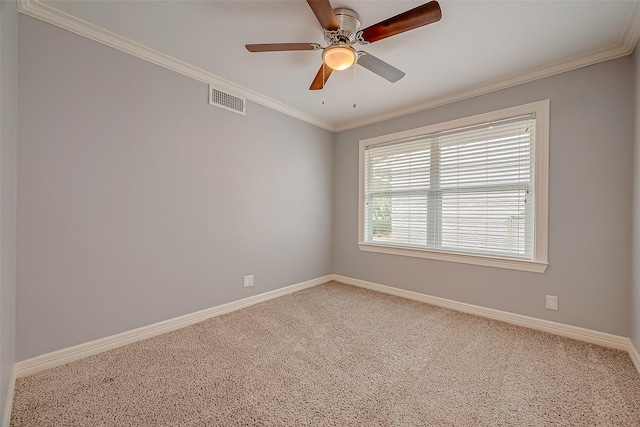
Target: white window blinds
467, 190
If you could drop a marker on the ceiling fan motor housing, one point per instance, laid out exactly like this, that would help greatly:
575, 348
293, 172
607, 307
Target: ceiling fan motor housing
349, 24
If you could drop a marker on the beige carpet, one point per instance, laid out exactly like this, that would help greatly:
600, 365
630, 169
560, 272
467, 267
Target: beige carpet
336, 355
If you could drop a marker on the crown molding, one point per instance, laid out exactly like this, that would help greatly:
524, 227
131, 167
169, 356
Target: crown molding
34, 8
68, 22
625, 46
514, 80
631, 32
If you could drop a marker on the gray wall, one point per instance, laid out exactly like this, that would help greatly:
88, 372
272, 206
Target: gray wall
139, 202
8, 140
591, 145
634, 299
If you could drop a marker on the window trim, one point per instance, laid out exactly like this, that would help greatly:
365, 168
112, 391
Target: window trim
539, 262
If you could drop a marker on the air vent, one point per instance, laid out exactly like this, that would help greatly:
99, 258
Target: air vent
226, 100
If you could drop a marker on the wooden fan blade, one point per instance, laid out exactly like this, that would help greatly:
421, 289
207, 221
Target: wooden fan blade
321, 78
381, 68
277, 47
324, 13
409, 20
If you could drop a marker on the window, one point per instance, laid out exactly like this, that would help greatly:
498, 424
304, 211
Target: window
472, 190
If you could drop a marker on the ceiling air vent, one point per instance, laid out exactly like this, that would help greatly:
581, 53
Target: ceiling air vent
226, 100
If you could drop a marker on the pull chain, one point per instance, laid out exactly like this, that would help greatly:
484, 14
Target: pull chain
354, 86
323, 80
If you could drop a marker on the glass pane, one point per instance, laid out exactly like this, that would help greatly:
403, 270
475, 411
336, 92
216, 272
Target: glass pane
469, 191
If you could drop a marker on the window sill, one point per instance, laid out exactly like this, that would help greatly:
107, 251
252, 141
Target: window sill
489, 261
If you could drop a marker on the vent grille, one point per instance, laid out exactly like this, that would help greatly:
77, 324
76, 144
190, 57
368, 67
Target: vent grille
226, 100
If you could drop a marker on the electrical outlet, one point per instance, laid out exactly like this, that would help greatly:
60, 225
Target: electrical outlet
248, 281
552, 302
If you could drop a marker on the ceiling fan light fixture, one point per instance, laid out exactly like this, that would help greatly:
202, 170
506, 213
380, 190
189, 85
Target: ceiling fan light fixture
339, 57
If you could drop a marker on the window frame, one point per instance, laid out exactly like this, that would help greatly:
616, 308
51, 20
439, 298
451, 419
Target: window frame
539, 262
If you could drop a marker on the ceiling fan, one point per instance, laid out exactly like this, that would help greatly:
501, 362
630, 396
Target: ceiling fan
341, 28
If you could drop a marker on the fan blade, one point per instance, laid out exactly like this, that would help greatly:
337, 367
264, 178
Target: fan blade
324, 12
321, 78
409, 20
381, 68
277, 47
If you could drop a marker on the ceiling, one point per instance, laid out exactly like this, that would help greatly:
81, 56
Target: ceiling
478, 46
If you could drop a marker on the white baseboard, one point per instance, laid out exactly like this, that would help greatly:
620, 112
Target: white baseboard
70, 354
635, 356
581, 334
8, 406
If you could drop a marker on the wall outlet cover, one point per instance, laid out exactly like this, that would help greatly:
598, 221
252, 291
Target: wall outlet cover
248, 281
551, 302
